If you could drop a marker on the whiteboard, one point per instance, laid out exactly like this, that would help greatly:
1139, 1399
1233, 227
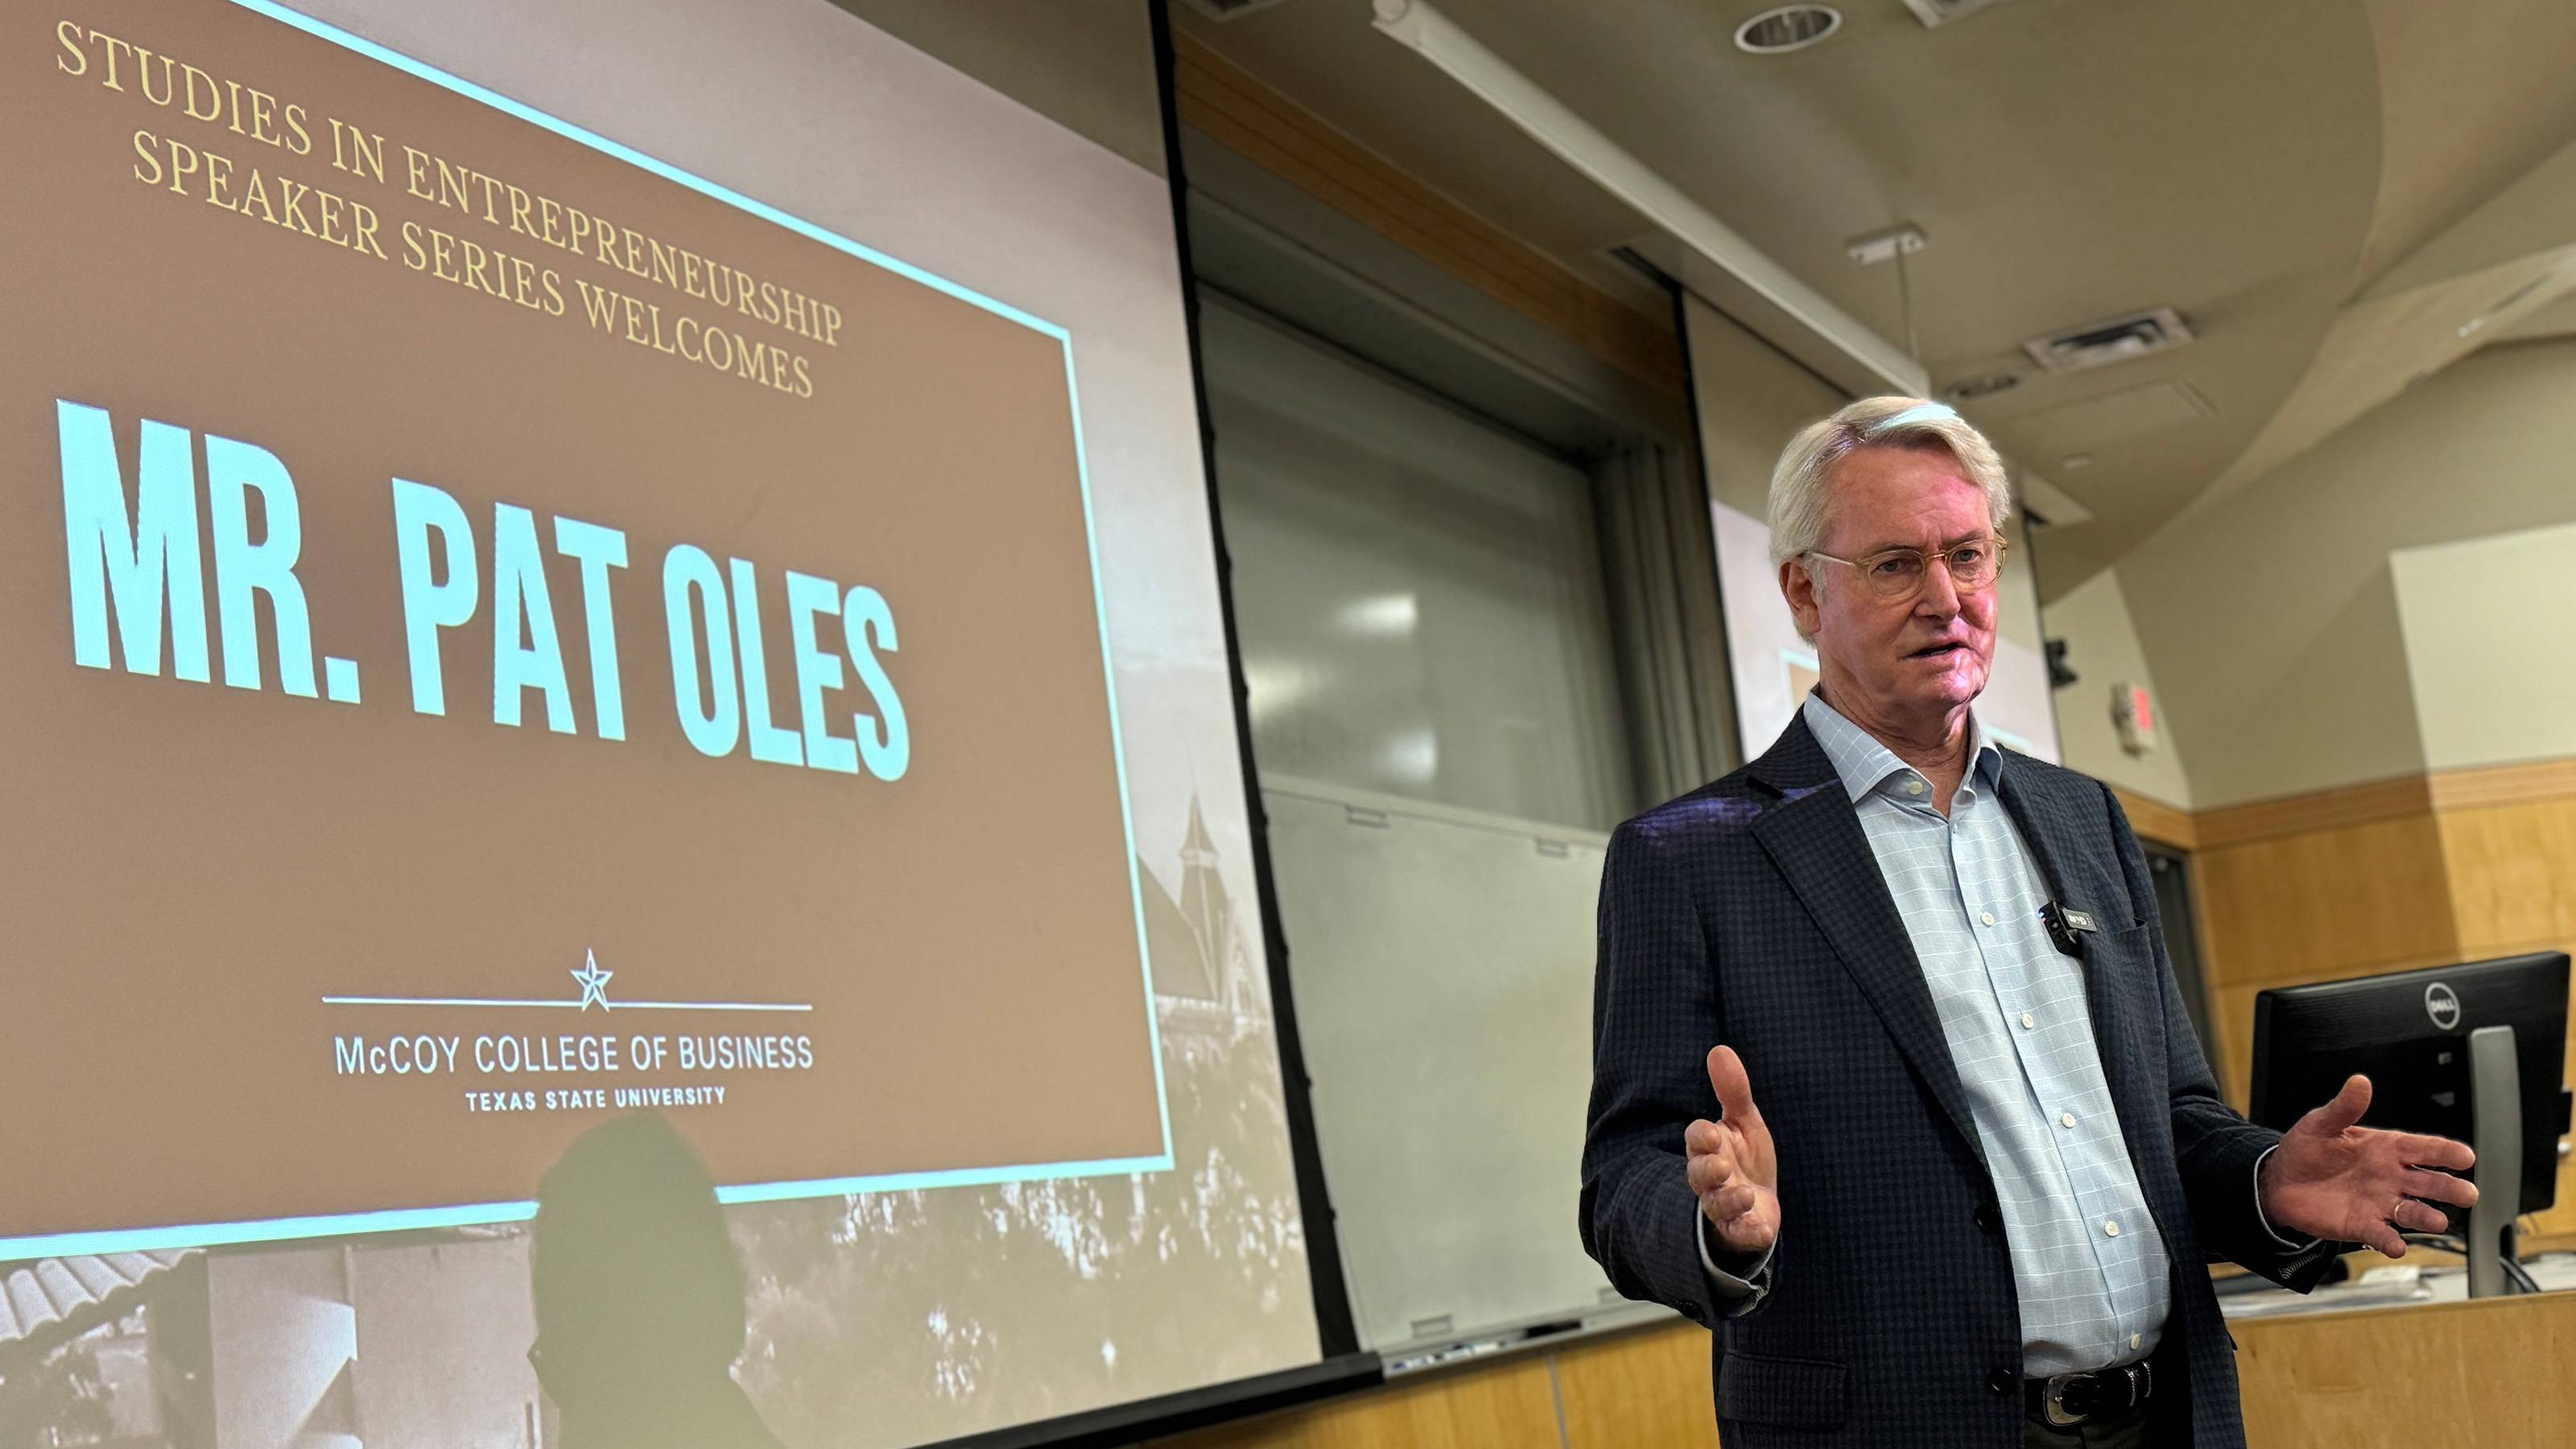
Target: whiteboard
1442, 966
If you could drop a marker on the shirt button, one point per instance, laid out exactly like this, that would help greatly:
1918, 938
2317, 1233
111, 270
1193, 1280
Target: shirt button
1913, 787
2067, 1119
2136, 1339
2028, 1021
1988, 918
2111, 1230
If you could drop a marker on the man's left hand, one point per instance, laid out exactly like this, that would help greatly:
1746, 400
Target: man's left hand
2331, 1178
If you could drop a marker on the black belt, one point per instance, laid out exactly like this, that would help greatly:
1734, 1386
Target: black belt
2069, 1399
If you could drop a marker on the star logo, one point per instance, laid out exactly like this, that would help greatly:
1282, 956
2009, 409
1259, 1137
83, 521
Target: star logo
594, 982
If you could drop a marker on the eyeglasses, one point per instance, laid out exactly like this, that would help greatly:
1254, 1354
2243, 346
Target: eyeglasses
1894, 574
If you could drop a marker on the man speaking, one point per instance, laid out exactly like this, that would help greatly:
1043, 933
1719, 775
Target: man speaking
1968, 1158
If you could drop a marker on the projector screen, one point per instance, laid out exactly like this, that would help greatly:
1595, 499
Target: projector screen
569, 564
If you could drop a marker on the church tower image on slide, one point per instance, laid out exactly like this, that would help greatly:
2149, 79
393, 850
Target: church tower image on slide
1204, 980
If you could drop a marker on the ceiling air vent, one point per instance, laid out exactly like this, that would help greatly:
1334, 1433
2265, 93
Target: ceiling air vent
1972, 388
2115, 340
1237, 9
1942, 12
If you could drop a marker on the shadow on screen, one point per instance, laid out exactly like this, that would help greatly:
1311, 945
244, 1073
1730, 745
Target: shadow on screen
639, 1296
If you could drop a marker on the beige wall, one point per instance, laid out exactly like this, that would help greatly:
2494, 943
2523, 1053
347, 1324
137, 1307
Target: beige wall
2103, 649
2272, 617
2017, 618
1087, 65
2488, 644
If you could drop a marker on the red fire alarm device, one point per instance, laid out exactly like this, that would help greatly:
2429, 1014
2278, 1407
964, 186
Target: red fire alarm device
2133, 709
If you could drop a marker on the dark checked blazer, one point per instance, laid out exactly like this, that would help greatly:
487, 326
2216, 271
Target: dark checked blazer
1752, 912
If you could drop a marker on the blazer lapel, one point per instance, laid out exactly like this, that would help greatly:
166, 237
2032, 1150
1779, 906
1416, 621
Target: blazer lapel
2059, 815
1814, 836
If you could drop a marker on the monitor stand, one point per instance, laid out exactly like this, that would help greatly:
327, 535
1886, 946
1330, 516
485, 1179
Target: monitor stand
2495, 1082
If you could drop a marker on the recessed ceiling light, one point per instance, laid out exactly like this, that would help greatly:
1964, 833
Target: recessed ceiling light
1791, 27
2075, 462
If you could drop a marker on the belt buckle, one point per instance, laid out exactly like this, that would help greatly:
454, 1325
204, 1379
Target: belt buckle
2053, 1403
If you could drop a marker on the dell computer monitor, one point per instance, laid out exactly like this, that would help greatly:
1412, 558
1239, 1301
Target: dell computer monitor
2408, 1032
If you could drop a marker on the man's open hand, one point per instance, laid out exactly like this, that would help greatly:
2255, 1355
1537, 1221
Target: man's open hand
1732, 1168
2333, 1179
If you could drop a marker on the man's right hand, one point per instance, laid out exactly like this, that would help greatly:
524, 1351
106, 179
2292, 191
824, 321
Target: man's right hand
1732, 1168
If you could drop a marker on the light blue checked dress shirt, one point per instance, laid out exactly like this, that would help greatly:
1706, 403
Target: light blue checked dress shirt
2088, 1263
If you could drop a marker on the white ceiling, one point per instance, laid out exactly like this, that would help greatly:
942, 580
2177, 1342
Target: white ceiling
2325, 189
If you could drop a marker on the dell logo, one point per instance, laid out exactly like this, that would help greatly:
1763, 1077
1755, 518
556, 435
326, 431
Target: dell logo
2443, 1005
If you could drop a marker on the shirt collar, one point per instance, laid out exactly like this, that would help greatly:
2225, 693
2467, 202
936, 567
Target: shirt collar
1863, 764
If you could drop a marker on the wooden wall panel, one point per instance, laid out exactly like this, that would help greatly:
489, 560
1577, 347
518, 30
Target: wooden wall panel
1508, 1405
2397, 799
2524, 784
2338, 901
2512, 873
1643, 1388
2432, 1376
2333, 901
2512, 869
1646, 1387
2155, 820
1244, 115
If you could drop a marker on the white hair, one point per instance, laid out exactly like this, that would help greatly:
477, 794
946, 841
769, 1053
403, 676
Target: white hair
1798, 484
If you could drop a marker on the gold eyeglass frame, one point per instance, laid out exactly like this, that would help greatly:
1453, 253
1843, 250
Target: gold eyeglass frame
1860, 567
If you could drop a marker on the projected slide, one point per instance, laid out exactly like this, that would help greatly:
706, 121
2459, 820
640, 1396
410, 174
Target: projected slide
533, 633
555, 572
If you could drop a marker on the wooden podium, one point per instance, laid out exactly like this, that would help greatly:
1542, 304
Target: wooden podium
2491, 1373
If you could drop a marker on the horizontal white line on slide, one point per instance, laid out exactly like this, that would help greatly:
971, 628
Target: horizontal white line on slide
566, 1005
